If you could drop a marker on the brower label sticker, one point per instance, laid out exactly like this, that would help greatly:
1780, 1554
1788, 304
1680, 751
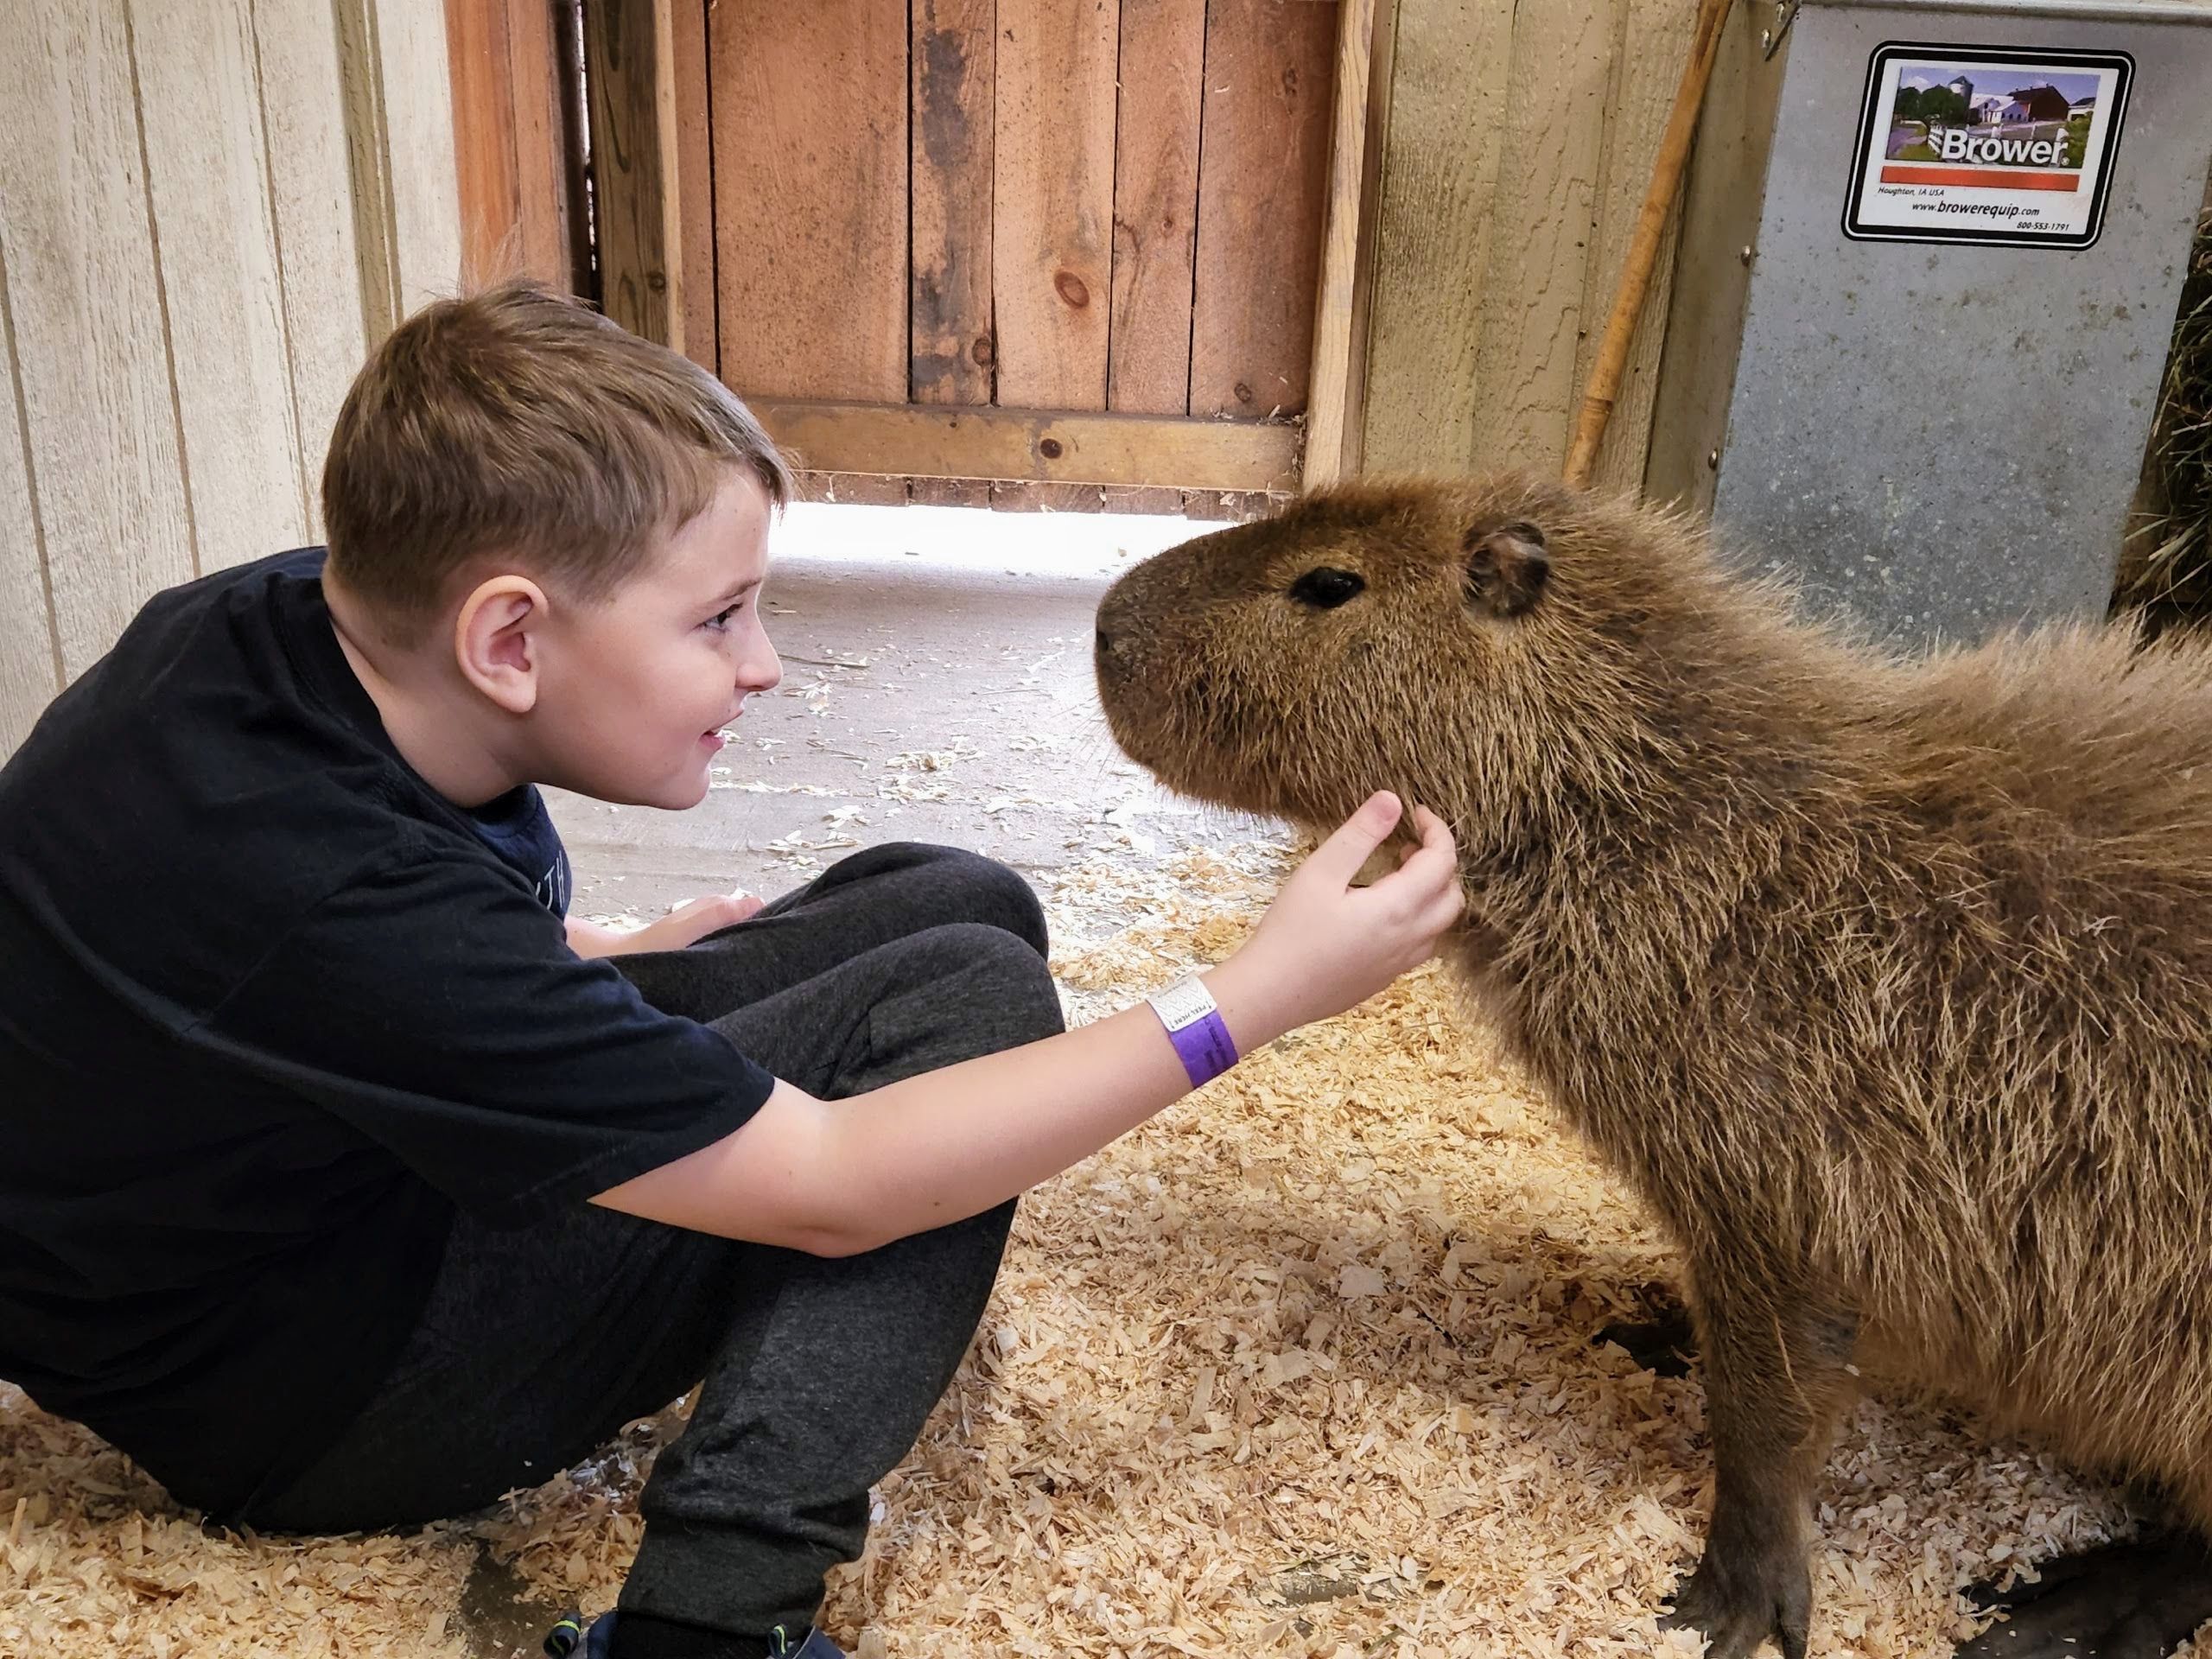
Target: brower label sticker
1989, 144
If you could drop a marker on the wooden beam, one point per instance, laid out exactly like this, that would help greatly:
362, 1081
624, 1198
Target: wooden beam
1163, 51
422, 187
368, 160
1329, 394
398, 81
485, 159
952, 68
568, 72
30, 652
1551, 130
1655, 44
507, 129
1382, 75
671, 151
1034, 446
1160, 100
951, 354
542, 201
1652, 224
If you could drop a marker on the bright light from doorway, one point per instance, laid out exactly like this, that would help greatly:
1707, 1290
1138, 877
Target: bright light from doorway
1079, 545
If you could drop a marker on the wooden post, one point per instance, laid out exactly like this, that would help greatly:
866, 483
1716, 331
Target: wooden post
507, 129
1651, 227
1329, 386
485, 156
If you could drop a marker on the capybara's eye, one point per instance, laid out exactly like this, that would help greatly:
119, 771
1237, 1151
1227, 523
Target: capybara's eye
1325, 587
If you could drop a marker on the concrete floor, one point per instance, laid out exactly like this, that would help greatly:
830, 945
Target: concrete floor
936, 687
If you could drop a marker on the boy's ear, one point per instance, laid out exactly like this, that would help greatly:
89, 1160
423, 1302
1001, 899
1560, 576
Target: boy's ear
1506, 567
493, 640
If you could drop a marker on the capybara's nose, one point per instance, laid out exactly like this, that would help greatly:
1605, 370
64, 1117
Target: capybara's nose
1105, 642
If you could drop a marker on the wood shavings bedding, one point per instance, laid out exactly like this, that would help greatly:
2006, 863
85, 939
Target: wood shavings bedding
1302, 1368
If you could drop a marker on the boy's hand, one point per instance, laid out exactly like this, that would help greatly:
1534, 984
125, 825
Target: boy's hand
686, 924
1325, 945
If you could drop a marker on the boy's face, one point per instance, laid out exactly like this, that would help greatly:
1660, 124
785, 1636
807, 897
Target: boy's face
632, 692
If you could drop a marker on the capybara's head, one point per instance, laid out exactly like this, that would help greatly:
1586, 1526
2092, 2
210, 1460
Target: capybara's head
1484, 647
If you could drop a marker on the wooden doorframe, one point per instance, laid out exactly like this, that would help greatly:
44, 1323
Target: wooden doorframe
518, 142
1347, 248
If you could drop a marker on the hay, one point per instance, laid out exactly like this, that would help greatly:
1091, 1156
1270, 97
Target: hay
2166, 562
1302, 1368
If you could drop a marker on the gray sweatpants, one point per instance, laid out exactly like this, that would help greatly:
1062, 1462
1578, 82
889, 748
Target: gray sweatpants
539, 1343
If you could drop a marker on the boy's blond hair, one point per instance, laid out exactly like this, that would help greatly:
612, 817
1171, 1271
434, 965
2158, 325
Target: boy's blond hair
515, 425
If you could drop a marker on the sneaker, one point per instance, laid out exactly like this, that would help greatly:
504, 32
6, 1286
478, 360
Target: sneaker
573, 1639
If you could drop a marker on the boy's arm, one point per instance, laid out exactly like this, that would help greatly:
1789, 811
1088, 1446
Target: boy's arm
835, 1178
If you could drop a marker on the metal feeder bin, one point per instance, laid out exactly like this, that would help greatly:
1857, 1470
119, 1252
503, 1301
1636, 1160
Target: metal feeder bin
1930, 258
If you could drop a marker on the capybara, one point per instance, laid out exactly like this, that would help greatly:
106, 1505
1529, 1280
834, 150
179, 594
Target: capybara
1884, 979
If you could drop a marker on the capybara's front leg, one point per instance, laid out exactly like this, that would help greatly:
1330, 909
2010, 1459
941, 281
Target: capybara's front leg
1775, 1379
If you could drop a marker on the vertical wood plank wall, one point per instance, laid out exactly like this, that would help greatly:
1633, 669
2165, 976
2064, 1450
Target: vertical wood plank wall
1512, 145
207, 210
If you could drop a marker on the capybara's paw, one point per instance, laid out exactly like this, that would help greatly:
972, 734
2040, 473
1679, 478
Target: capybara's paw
2134, 1600
1739, 1598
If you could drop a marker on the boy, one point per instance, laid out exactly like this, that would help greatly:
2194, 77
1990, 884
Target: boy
343, 1185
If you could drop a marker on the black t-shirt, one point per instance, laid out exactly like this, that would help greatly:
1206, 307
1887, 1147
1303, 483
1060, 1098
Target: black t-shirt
272, 1011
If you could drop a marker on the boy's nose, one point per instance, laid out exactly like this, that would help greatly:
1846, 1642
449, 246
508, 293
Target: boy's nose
762, 673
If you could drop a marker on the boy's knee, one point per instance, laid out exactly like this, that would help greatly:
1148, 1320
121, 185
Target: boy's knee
1010, 902
1005, 972
981, 889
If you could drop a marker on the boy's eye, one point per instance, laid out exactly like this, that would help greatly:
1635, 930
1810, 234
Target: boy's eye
720, 619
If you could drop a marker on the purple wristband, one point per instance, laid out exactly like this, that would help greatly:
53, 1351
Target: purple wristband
1194, 1026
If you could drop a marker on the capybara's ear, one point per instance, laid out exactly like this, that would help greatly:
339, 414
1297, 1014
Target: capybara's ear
1506, 567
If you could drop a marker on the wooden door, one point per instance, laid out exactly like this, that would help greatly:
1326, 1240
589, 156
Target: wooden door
960, 248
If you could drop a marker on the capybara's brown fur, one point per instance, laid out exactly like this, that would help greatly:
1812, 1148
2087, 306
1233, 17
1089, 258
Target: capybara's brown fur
1886, 981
